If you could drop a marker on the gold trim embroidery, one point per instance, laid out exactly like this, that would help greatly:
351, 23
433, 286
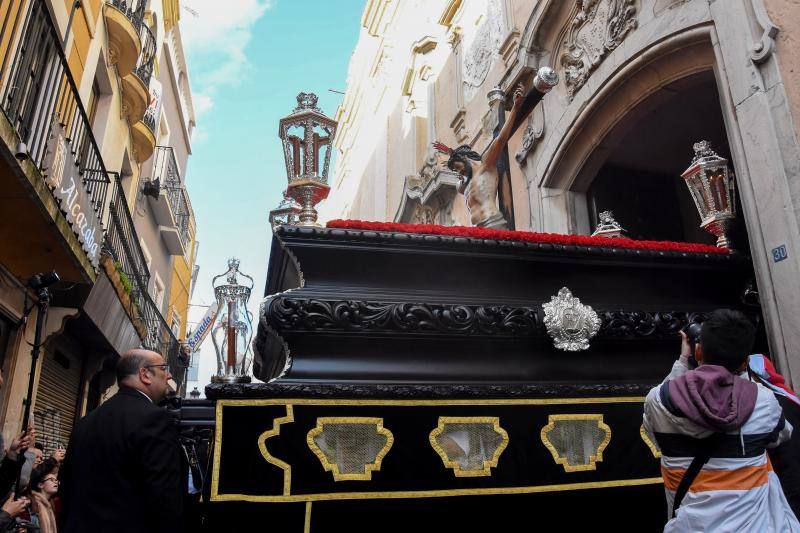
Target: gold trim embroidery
593, 459
334, 467
215, 467
271, 459
444, 493
307, 521
455, 465
416, 403
650, 444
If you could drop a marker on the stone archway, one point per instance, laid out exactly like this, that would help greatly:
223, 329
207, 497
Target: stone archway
668, 67
673, 41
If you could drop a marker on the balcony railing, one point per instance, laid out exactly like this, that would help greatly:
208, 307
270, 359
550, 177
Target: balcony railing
165, 169
122, 244
147, 57
40, 98
133, 9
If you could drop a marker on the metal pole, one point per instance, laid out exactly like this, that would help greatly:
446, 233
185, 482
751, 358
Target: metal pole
42, 305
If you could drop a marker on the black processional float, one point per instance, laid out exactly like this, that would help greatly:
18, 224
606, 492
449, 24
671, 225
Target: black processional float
422, 378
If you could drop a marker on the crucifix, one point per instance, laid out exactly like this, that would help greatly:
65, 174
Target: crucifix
486, 178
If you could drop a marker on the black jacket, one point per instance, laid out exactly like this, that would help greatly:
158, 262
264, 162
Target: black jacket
8, 476
122, 470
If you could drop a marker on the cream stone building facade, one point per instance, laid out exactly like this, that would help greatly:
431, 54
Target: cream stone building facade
640, 82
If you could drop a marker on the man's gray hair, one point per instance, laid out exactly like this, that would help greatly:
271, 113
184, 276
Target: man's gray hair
129, 364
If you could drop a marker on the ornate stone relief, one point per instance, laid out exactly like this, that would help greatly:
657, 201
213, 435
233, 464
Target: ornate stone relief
482, 51
599, 26
428, 196
765, 41
534, 131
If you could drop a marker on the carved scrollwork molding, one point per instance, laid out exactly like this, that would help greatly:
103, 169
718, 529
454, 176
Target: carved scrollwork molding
765, 42
638, 324
598, 27
285, 313
311, 314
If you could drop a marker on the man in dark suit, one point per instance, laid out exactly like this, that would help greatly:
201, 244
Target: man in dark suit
122, 472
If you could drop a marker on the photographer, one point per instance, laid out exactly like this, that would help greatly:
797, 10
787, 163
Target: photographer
713, 427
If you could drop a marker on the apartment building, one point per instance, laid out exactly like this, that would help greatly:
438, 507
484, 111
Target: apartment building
94, 96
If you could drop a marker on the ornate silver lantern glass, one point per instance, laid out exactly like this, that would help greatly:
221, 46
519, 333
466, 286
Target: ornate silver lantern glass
712, 186
287, 212
232, 330
307, 136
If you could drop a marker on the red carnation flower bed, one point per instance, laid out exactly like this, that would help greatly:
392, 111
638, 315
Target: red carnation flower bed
527, 236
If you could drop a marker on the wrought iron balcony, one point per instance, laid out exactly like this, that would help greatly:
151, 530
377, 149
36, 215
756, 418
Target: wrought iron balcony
133, 10
165, 169
147, 58
122, 244
42, 103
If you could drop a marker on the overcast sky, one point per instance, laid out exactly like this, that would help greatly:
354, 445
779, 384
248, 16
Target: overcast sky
248, 59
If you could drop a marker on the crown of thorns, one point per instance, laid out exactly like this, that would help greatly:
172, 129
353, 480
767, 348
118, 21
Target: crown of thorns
457, 154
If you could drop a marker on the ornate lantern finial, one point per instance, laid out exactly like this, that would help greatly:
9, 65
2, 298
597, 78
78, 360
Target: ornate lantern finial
607, 227
232, 330
307, 101
711, 185
307, 137
287, 212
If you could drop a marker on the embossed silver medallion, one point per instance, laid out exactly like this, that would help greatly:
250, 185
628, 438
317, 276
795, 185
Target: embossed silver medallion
570, 323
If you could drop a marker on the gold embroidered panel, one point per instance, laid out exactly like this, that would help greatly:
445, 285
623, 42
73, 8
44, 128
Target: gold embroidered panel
576, 441
471, 446
271, 450
351, 448
654, 449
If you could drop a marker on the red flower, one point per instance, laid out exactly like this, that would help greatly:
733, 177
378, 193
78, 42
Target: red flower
527, 236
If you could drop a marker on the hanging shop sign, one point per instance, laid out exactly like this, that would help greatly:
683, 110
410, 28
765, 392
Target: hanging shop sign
203, 328
153, 111
68, 183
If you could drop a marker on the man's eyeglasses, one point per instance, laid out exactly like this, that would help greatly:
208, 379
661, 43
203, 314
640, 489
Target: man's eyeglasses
51, 479
163, 366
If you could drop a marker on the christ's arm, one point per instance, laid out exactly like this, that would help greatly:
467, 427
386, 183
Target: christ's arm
496, 147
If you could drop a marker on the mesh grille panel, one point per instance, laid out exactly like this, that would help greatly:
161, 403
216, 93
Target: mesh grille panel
350, 446
577, 441
470, 445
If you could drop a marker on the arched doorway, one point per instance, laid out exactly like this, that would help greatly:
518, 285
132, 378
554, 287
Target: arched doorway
640, 177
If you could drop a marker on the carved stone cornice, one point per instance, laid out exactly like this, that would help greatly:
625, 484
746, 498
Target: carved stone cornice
458, 125
428, 197
509, 47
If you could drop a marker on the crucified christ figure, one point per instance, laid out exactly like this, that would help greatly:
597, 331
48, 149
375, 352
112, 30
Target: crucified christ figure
479, 175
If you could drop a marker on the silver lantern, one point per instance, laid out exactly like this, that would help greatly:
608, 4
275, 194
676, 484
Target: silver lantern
307, 137
712, 186
287, 212
232, 330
